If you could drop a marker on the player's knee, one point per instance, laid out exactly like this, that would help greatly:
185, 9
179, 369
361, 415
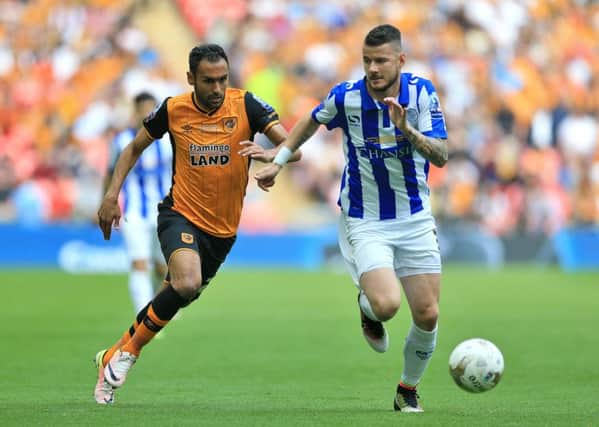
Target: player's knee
385, 306
188, 285
426, 316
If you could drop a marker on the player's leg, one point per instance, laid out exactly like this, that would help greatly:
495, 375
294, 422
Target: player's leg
422, 292
104, 391
370, 262
419, 269
381, 292
137, 235
179, 243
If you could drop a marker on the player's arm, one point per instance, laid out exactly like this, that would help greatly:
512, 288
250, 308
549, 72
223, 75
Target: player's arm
264, 119
276, 135
431, 148
154, 126
109, 212
301, 132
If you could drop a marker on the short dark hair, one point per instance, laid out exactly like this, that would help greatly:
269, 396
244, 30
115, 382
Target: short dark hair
142, 97
383, 34
210, 52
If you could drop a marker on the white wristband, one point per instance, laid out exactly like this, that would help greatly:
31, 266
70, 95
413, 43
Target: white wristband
283, 156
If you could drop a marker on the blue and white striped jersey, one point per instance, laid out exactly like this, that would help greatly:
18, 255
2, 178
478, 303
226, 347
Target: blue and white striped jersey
149, 181
384, 177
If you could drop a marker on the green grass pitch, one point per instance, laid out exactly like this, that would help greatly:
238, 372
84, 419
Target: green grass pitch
284, 348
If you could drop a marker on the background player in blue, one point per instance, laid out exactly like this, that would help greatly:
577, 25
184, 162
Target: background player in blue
393, 127
144, 188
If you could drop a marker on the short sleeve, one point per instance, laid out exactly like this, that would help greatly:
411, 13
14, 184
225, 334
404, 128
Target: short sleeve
261, 116
327, 112
157, 121
431, 121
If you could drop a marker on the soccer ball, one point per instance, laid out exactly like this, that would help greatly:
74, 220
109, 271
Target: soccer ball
476, 365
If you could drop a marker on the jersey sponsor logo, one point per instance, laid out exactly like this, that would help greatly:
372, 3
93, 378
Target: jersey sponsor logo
354, 120
399, 152
209, 127
230, 124
187, 238
209, 155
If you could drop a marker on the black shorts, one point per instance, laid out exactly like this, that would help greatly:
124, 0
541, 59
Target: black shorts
176, 232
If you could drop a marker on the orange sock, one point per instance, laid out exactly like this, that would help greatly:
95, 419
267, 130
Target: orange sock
144, 332
122, 341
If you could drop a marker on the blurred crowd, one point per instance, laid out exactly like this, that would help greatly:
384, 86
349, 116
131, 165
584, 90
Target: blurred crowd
518, 83
68, 72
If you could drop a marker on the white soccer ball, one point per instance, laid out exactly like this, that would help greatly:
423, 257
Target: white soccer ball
476, 365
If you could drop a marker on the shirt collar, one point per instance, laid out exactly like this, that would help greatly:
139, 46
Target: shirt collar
368, 103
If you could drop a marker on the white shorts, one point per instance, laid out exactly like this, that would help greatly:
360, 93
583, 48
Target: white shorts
408, 246
141, 240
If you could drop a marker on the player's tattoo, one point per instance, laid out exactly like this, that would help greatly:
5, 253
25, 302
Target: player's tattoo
432, 149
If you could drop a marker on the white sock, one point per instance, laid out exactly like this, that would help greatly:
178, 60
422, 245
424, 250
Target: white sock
366, 308
140, 289
417, 351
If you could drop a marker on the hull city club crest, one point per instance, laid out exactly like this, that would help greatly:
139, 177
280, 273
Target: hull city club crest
229, 124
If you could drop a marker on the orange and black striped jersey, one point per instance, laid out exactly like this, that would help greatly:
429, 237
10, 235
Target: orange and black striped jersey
209, 176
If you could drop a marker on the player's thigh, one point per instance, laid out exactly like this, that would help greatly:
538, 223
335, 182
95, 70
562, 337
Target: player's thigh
176, 234
369, 256
180, 247
137, 237
214, 251
417, 250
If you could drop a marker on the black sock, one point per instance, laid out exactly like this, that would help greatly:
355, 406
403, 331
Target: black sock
167, 303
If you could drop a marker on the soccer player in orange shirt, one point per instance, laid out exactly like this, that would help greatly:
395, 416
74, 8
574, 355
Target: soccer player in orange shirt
211, 131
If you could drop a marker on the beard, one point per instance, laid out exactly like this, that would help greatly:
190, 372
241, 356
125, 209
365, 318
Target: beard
390, 83
211, 102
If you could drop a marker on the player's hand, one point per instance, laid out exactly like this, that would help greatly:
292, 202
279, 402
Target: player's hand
266, 176
108, 214
397, 113
256, 152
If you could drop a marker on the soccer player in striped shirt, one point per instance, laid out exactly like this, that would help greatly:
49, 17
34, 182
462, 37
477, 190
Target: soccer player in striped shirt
393, 128
146, 185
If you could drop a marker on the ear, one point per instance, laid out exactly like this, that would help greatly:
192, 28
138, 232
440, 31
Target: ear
402, 59
190, 78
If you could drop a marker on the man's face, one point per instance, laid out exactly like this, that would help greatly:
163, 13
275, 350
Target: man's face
209, 83
382, 65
